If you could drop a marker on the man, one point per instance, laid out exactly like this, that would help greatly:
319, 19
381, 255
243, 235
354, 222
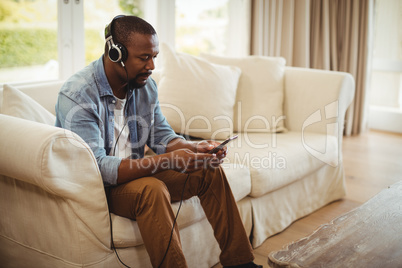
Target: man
112, 104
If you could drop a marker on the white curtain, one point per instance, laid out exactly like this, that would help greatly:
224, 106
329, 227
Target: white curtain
320, 34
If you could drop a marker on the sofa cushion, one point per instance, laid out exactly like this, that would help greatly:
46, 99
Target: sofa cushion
18, 104
239, 179
197, 97
259, 101
44, 93
276, 160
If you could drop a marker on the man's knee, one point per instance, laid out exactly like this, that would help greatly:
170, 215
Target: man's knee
154, 189
215, 173
208, 178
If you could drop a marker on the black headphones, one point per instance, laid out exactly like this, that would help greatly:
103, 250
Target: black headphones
117, 52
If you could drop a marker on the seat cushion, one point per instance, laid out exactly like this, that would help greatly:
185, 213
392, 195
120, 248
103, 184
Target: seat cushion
239, 179
278, 159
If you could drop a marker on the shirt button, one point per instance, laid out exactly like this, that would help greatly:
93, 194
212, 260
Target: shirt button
113, 101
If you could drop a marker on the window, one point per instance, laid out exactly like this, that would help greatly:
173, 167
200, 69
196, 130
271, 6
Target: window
97, 14
52, 39
201, 26
386, 83
28, 40
386, 75
213, 26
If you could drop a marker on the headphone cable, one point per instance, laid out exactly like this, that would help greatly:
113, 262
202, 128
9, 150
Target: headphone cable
178, 210
175, 220
114, 153
113, 246
125, 119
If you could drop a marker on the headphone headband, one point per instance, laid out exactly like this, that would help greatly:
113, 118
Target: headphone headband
108, 28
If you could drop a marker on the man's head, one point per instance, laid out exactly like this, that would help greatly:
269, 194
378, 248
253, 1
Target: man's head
130, 50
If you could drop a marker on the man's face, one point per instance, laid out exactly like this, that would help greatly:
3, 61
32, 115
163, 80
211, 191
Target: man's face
142, 52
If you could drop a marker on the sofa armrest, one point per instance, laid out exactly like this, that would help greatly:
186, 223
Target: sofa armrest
316, 99
52, 198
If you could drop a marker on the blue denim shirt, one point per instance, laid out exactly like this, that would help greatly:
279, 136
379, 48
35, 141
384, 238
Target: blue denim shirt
85, 106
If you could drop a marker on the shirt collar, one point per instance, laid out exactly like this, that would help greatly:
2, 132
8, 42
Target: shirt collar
101, 80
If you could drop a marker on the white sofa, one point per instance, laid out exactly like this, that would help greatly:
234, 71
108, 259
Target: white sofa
52, 203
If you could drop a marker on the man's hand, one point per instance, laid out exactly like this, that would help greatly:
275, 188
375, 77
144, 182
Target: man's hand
187, 161
181, 155
201, 149
206, 146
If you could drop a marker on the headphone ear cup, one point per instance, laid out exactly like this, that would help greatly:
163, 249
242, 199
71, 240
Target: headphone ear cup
123, 52
117, 53
114, 54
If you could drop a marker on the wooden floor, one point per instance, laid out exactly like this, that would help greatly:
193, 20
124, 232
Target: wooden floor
372, 162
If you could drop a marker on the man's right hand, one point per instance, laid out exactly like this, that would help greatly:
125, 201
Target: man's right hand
186, 161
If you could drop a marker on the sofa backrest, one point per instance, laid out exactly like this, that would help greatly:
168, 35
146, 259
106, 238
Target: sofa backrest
317, 100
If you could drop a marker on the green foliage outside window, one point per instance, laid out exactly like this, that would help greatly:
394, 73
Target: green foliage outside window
94, 45
26, 34
27, 47
23, 47
26, 38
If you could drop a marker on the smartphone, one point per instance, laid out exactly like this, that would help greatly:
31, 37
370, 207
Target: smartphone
220, 146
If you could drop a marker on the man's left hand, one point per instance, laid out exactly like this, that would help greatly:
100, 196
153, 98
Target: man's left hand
206, 145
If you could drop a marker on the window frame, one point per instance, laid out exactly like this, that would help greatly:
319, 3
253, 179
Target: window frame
71, 47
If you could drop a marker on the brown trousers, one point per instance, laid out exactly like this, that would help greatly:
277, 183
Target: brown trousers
147, 200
